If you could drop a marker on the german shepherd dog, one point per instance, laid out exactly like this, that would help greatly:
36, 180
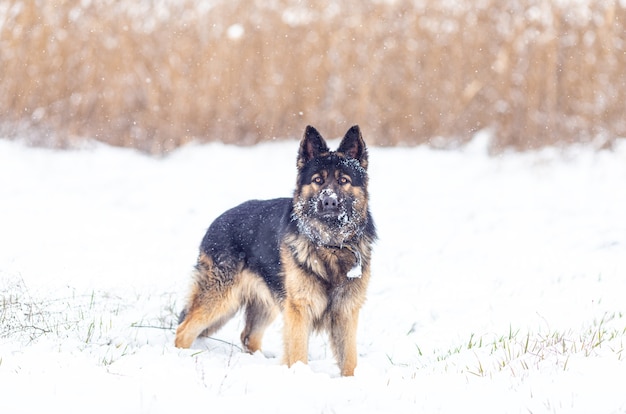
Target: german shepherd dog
307, 256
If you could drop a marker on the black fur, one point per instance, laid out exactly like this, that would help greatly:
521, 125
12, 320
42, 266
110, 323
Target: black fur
249, 236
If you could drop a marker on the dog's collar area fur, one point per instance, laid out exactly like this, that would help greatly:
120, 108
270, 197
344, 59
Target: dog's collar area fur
357, 270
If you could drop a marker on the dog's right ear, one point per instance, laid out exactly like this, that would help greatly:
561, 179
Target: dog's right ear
312, 145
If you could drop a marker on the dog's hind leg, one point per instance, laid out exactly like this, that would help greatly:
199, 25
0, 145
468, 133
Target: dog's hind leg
258, 317
261, 310
201, 321
213, 301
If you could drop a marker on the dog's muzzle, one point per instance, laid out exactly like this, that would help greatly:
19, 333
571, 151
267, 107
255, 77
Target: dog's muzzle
328, 202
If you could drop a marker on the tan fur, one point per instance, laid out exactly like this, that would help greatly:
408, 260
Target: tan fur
320, 296
214, 299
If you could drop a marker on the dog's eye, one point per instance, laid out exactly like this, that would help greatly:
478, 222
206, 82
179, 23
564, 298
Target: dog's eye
318, 180
344, 180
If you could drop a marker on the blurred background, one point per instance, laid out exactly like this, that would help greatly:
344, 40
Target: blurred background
155, 74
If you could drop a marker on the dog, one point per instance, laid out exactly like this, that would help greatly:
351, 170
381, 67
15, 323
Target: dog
307, 256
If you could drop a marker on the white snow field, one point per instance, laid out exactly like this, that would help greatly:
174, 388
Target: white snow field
499, 284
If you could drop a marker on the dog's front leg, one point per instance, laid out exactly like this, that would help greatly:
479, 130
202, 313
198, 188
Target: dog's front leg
343, 327
297, 327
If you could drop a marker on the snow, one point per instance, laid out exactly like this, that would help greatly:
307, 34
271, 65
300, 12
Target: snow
235, 31
497, 285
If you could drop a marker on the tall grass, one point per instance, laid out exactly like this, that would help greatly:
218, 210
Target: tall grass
154, 74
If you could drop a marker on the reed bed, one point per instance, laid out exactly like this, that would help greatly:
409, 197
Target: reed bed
155, 74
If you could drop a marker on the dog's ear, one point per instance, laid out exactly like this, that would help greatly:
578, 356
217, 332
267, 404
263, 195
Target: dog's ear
353, 146
312, 145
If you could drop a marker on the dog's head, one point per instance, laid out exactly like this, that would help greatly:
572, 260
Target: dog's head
331, 199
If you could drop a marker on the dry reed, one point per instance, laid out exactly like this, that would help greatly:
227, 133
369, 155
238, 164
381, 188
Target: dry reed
155, 74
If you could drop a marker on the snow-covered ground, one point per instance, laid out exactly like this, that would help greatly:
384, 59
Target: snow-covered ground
499, 284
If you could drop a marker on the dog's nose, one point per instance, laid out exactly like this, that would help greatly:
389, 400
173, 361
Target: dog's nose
329, 202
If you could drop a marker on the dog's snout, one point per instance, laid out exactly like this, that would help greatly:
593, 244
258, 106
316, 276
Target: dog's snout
329, 202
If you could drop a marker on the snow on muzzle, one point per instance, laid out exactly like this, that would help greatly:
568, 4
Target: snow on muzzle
328, 202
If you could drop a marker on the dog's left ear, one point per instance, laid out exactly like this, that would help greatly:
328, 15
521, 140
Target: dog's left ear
353, 146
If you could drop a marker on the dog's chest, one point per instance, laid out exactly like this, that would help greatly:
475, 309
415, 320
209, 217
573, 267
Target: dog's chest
334, 266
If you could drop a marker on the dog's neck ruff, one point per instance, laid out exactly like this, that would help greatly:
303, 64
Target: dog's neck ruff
357, 270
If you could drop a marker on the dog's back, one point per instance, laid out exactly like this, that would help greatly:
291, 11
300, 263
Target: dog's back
248, 237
